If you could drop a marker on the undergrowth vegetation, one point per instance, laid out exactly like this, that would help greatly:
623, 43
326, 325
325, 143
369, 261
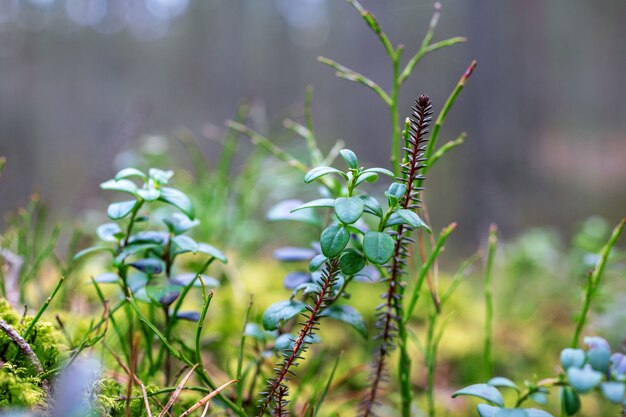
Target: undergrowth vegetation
176, 299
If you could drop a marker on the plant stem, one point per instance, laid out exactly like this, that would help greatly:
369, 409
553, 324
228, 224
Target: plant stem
493, 242
43, 308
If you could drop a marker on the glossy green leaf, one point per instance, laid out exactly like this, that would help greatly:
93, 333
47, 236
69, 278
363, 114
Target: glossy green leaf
183, 244
333, 240
212, 251
130, 172
317, 262
369, 177
378, 247
371, 205
350, 158
349, 209
163, 294
395, 192
178, 199
109, 232
382, 171
149, 266
254, 331
347, 314
411, 218
117, 211
484, 391
123, 185
178, 223
281, 311
149, 194
90, 250
320, 202
352, 262
319, 172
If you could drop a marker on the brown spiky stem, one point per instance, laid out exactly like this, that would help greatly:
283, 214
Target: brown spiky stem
390, 311
277, 389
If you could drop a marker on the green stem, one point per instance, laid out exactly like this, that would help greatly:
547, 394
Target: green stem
488, 336
43, 308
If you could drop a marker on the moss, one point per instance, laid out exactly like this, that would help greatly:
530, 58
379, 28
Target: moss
19, 388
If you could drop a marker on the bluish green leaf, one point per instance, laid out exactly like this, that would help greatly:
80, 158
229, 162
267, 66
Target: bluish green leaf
613, 391
511, 412
212, 251
91, 249
349, 209
599, 358
395, 192
109, 232
412, 219
130, 172
281, 311
369, 177
382, 171
583, 380
347, 314
286, 341
160, 176
350, 158
539, 397
254, 331
283, 212
533, 412
117, 211
192, 316
572, 358
162, 294
294, 279
317, 262
149, 194
149, 266
133, 248
372, 205
378, 247
320, 202
486, 410
178, 199
319, 172
150, 236
107, 278
333, 240
123, 185
184, 244
185, 279
500, 381
291, 254
484, 391
178, 223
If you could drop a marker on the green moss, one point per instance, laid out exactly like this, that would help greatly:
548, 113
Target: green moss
19, 388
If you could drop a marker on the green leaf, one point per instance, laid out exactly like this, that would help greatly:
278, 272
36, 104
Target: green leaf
613, 391
149, 266
109, 232
107, 278
378, 247
160, 176
511, 412
484, 391
123, 185
117, 211
320, 202
347, 314
254, 331
319, 172
162, 294
352, 262
333, 240
178, 199
500, 381
486, 410
130, 172
411, 218
570, 401
349, 209
90, 250
212, 251
317, 262
395, 192
572, 358
149, 194
283, 212
281, 311
178, 223
184, 244
533, 412
382, 171
369, 176
350, 158
133, 248
583, 380
372, 205
293, 254
185, 279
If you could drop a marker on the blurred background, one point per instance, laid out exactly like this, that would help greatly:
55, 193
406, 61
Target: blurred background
82, 80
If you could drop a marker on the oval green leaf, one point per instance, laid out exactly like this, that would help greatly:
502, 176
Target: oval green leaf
350, 158
378, 247
333, 240
484, 391
349, 209
281, 311
319, 172
349, 315
123, 185
352, 263
183, 244
117, 211
212, 251
178, 199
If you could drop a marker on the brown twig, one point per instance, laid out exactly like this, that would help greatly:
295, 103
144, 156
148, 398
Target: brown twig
179, 388
25, 348
208, 398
